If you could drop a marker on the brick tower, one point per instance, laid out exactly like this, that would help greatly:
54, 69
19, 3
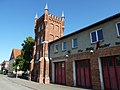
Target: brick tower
47, 28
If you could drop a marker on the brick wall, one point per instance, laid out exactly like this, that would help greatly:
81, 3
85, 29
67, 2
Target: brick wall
93, 57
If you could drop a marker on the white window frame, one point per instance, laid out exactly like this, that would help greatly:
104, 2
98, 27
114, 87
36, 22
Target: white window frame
73, 43
117, 28
63, 46
96, 35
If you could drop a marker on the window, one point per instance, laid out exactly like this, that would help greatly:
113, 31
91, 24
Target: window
40, 54
56, 48
52, 26
39, 29
57, 28
51, 37
64, 46
38, 41
37, 55
42, 25
41, 39
74, 43
118, 28
96, 36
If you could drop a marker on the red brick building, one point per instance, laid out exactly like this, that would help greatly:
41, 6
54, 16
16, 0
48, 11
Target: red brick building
47, 28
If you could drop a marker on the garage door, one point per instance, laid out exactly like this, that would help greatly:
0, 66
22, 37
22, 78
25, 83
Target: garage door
60, 76
83, 74
111, 72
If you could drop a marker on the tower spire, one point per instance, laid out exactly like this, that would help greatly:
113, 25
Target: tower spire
36, 16
63, 14
46, 7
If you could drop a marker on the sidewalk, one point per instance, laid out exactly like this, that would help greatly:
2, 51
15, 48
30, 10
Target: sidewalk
38, 86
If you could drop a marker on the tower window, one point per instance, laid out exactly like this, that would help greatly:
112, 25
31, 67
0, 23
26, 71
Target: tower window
42, 25
39, 29
52, 26
57, 28
38, 41
37, 55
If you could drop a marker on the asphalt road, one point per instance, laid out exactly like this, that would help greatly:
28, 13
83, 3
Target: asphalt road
7, 83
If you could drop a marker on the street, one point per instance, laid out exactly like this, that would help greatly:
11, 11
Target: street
7, 83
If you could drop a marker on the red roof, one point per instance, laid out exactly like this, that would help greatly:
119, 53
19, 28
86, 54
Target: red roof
15, 53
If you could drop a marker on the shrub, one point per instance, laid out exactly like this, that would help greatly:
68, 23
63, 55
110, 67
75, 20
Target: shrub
1, 72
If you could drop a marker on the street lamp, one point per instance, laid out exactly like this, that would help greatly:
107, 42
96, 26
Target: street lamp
17, 71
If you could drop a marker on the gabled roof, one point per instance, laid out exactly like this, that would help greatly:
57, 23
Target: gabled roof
15, 53
91, 26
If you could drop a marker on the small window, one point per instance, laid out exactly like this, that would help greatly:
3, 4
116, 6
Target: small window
39, 29
96, 36
38, 41
74, 43
40, 54
64, 46
52, 26
56, 48
42, 26
118, 28
37, 55
57, 28
41, 39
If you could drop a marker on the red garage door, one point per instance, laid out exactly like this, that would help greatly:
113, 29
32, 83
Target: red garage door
60, 76
83, 74
111, 72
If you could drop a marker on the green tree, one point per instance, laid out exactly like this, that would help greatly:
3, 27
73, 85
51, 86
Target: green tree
19, 61
23, 60
27, 52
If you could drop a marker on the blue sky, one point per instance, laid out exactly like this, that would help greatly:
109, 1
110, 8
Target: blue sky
17, 18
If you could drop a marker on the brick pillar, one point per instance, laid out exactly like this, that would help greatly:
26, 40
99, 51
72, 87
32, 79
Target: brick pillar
47, 78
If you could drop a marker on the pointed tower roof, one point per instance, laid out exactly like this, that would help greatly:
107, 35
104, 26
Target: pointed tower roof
46, 7
63, 14
36, 16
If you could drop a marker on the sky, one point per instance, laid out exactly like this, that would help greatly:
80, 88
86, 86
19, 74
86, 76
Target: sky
17, 18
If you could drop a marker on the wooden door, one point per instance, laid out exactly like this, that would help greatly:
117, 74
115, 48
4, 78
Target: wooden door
83, 74
60, 74
111, 72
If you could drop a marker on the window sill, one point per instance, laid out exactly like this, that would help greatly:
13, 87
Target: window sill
74, 47
63, 50
118, 36
55, 52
